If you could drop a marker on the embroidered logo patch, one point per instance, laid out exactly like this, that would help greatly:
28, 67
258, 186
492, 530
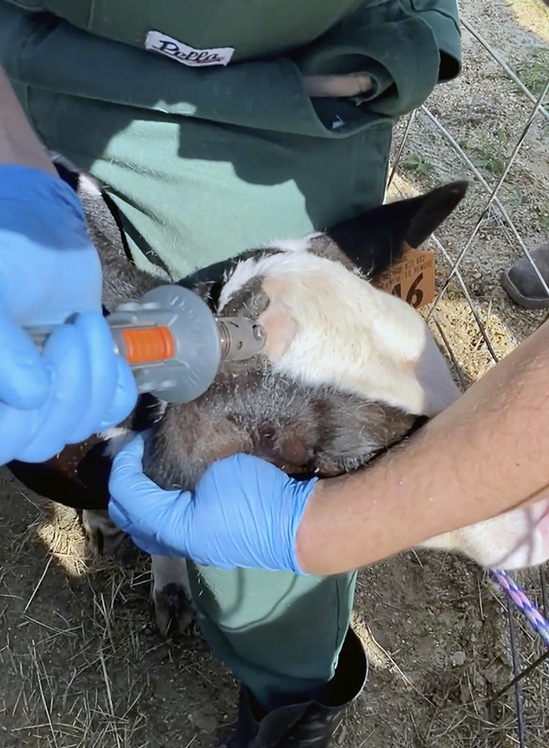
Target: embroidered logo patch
156, 41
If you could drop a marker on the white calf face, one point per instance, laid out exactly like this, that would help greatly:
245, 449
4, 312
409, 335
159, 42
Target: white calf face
327, 325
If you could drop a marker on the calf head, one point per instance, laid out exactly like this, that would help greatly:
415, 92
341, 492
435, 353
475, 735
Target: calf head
347, 369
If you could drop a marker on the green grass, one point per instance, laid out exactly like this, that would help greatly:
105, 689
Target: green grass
417, 164
492, 154
514, 197
534, 71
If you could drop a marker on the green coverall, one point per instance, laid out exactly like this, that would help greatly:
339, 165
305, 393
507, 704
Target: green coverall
206, 140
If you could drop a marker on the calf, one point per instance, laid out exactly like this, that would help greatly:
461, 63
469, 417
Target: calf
348, 371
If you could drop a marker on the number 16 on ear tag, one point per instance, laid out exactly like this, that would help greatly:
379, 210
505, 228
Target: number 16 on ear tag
412, 278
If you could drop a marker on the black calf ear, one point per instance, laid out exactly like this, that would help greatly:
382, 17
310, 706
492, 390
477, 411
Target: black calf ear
376, 238
67, 174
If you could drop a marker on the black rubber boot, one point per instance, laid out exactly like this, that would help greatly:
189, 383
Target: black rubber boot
522, 283
310, 723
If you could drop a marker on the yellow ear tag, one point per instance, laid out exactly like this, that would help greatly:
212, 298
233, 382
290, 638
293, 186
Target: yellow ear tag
412, 278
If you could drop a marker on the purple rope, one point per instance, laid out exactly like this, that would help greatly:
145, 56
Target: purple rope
519, 598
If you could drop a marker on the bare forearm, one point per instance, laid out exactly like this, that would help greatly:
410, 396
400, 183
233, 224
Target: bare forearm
18, 143
482, 456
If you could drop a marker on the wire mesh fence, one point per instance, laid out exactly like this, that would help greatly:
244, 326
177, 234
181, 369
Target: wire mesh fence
492, 128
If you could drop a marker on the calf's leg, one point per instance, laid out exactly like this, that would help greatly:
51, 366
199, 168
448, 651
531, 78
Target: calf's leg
103, 537
171, 594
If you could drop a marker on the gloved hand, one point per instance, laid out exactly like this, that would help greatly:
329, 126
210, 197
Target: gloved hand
49, 270
244, 512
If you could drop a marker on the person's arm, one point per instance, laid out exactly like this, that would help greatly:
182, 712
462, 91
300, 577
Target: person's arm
404, 50
484, 455
18, 143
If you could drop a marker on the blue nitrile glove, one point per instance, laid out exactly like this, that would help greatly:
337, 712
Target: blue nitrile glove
244, 512
49, 270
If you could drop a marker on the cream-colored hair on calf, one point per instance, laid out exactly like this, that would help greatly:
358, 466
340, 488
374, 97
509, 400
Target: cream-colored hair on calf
327, 325
514, 540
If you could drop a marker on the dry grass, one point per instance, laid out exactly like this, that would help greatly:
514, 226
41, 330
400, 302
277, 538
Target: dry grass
99, 650
81, 663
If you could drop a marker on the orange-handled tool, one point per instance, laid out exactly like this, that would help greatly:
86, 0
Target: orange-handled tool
174, 343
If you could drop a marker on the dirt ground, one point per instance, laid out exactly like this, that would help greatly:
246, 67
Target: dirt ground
81, 664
